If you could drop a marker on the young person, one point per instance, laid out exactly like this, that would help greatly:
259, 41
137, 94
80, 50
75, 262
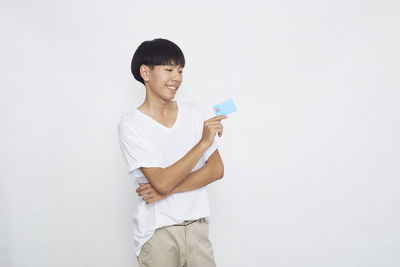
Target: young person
172, 151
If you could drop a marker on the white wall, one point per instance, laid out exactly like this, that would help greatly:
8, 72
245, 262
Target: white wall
311, 157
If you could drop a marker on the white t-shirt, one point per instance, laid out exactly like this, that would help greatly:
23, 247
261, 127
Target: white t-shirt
145, 142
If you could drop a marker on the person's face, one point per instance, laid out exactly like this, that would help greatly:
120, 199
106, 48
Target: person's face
164, 80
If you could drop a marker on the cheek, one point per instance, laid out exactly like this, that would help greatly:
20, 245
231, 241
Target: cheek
162, 81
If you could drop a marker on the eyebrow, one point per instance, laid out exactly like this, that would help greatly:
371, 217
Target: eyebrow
179, 66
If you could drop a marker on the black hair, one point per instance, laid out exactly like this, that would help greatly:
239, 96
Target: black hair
156, 52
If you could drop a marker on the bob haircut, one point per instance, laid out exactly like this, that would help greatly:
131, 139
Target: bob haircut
156, 52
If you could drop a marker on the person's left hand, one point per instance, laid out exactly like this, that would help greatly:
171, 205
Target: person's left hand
151, 195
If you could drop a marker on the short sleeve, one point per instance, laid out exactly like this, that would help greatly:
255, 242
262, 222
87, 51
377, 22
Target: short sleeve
135, 151
215, 144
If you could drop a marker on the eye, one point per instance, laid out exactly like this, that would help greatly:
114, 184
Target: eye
171, 70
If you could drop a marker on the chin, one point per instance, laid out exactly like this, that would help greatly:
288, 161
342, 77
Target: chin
168, 99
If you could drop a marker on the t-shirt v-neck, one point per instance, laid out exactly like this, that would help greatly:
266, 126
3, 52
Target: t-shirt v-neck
160, 125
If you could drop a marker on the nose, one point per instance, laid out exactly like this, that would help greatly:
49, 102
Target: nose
177, 76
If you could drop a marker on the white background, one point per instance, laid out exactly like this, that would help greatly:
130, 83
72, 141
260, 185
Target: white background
311, 157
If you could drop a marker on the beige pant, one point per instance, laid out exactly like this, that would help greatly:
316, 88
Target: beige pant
179, 245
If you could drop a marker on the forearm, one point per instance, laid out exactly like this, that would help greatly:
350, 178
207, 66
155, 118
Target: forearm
197, 179
178, 172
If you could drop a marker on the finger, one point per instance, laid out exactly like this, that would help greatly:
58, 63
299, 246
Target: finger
220, 133
216, 128
145, 186
144, 191
149, 201
146, 197
219, 130
141, 188
218, 118
213, 127
214, 123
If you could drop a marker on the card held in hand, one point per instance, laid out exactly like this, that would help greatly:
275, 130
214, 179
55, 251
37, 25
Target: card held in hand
224, 108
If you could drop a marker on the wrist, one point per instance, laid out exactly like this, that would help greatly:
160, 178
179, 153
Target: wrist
203, 146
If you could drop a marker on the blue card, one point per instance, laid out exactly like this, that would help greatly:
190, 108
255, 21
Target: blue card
225, 107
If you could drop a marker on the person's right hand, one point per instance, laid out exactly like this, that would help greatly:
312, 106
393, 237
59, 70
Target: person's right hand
210, 128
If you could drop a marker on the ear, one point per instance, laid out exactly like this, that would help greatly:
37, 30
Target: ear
144, 72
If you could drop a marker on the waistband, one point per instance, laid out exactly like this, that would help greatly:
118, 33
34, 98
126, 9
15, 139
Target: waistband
187, 222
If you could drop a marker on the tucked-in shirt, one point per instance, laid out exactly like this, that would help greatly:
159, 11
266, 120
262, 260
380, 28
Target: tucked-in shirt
145, 142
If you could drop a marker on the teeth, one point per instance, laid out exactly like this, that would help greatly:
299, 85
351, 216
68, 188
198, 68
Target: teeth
171, 87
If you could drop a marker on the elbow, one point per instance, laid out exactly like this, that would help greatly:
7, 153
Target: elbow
162, 188
165, 188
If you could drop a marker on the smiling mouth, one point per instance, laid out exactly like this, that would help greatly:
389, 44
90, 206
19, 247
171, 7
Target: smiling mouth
174, 88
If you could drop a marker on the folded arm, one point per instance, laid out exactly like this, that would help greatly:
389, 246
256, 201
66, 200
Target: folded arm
213, 170
165, 179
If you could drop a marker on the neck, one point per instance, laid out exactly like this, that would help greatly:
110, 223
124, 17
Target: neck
157, 107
